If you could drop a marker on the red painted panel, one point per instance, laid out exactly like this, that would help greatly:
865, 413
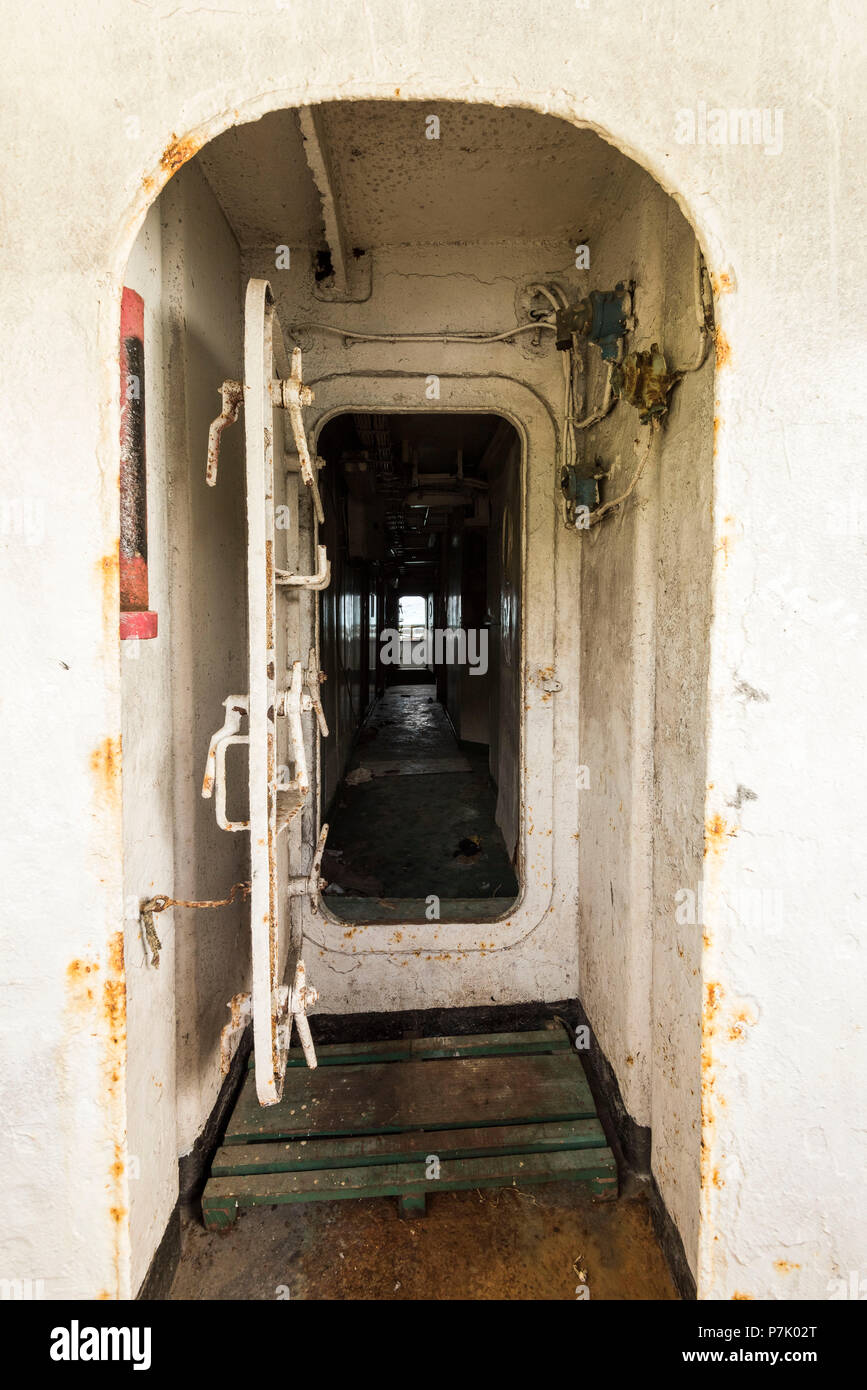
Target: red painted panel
133, 471
138, 625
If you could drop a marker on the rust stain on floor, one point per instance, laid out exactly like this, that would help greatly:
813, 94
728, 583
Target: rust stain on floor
471, 1245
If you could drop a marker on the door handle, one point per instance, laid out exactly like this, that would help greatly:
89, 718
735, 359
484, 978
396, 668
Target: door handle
232, 393
214, 781
293, 1005
293, 395
320, 580
310, 884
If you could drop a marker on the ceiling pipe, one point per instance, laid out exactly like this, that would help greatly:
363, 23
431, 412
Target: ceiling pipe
316, 152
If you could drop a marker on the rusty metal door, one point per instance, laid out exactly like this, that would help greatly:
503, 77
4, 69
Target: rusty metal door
286, 844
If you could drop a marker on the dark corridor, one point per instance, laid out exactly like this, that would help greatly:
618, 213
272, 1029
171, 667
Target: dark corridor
415, 817
420, 638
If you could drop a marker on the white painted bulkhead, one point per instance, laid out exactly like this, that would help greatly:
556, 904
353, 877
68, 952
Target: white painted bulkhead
767, 676
579, 752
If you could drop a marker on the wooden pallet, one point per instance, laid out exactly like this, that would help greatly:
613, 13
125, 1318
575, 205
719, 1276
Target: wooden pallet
409, 1118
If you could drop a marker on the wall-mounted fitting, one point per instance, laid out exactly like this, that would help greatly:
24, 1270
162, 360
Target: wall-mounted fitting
578, 491
603, 317
643, 379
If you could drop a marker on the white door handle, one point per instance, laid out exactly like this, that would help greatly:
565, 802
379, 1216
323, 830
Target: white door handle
214, 781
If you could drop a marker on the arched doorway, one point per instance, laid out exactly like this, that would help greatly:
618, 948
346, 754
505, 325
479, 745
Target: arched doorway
410, 258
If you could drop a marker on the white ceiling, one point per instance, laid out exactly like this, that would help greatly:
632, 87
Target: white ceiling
493, 175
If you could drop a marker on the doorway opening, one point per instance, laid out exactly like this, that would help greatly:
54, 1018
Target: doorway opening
574, 714
420, 645
414, 656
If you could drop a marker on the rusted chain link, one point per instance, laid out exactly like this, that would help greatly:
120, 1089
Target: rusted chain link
159, 904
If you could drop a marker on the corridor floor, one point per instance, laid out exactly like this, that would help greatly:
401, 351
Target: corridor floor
414, 816
539, 1243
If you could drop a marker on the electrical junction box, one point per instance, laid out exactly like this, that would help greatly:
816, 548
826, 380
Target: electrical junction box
603, 318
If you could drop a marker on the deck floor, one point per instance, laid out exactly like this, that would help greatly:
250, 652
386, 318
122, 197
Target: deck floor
505, 1244
421, 822
510, 1116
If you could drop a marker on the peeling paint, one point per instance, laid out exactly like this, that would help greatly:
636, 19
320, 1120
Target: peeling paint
716, 833
713, 997
722, 282
177, 152
102, 1011
108, 577
105, 764
81, 983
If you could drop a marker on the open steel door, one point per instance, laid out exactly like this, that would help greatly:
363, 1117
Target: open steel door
283, 682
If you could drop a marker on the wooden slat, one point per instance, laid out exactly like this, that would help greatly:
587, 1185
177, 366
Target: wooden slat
299, 1155
595, 1166
434, 1049
379, 1098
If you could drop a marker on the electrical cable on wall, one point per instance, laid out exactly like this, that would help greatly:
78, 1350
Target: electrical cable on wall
703, 314
425, 337
655, 364
600, 512
558, 300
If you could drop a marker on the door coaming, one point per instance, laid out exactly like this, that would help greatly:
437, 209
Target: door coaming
546, 589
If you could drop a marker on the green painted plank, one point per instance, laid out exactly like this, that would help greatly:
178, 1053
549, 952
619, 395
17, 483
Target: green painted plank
434, 1049
412, 1206
596, 1167
379, 1098
300, 1154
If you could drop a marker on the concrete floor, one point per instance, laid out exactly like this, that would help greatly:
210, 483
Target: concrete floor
506, 1244
415, 816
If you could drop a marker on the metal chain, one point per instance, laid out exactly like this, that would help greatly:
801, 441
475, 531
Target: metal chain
162, 901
